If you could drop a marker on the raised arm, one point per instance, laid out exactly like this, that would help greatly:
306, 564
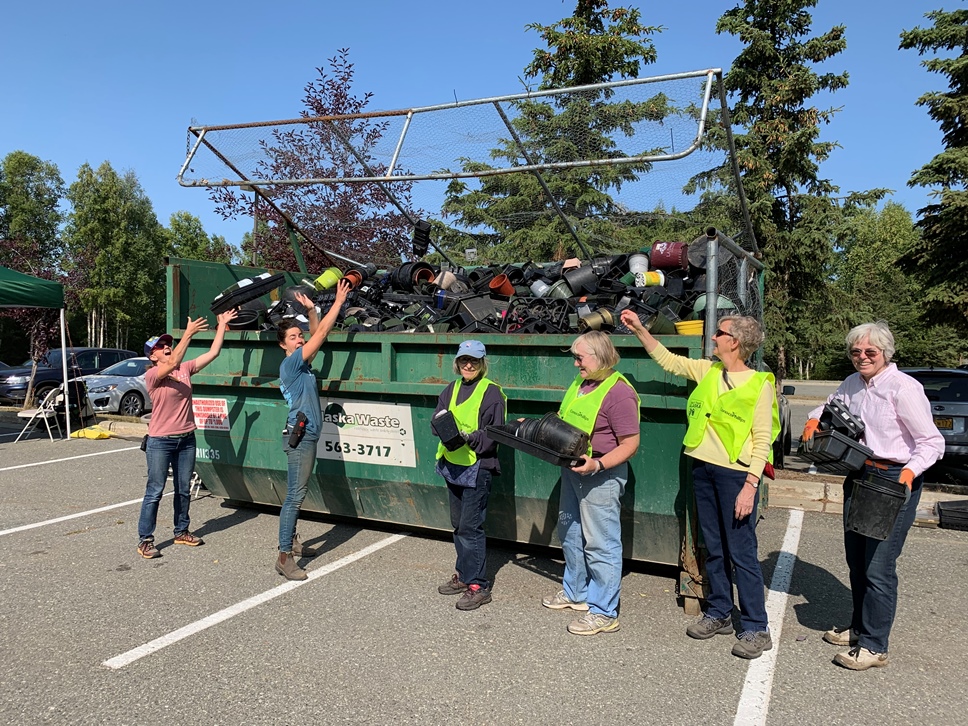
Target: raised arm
312, 346
223, 324
178, 353
631, 321
310, 311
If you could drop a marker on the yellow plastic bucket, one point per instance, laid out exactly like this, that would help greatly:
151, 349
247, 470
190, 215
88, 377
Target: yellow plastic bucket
689, 327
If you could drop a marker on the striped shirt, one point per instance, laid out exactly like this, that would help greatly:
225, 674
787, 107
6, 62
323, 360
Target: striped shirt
898, 425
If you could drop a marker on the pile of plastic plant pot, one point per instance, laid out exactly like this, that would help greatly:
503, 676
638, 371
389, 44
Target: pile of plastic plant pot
659, 283
834, 448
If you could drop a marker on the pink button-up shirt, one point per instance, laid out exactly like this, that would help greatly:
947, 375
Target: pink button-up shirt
898, 425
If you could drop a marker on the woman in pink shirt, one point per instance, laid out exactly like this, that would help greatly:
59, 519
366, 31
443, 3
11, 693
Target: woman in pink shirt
900, 431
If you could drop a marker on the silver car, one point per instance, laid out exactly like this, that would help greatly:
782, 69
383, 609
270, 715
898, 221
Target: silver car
120, 388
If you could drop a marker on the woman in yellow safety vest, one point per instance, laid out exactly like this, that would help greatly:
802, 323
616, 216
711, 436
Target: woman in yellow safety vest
733, 420
602, 403
475, 402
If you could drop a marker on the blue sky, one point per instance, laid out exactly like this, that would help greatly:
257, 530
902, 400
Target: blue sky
122, 81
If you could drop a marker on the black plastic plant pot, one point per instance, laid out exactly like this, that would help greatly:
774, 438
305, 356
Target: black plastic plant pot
245, 290
834, 453
510, 434
581, 280
837, 417
875, 502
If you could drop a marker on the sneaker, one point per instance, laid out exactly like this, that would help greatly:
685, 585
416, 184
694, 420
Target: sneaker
708, 627
289, 569
751, 645
453, 586
592, 623
474, 596
560, 601
301, 550
841, 636
860, 659
148, 550
187, 538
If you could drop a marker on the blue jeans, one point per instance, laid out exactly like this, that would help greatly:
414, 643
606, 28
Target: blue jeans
873, 566
302, 459
162, 452
468, 509
731, 548
590, 531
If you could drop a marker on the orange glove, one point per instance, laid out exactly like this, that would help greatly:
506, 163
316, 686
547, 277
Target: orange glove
906, 478
810, 429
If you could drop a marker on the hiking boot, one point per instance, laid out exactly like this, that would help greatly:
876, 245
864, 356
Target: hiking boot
860, 659
148, 550
560, 601
592, 623
708, 627
751, 645
289, 569
301, 550
841, 636
453, 586
474, 596
187, 538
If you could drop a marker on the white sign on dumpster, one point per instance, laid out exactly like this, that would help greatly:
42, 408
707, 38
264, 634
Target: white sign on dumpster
211, 413
366, 432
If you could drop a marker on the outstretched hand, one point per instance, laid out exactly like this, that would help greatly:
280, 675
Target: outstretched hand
343, 288
227, 317
631, 321
196, 326
304, 300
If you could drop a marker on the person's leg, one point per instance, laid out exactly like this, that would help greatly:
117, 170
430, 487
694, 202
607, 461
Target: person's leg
855, 553
601, 524
472, 551
880, 603
182, 468
158, 454
720, 599
741, 546
300, 468
575, 580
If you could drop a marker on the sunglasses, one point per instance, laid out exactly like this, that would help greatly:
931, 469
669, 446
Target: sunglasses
580, 358
461, 362
867, 352
719, 332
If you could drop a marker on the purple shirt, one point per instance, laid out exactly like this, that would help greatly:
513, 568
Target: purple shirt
618, 416
898, 425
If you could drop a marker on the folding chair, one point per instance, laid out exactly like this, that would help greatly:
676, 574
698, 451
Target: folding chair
46, 412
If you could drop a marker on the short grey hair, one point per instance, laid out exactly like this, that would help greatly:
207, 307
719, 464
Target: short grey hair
877, 334
747, 331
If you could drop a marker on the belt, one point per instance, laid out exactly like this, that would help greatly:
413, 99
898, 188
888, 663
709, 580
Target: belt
882, 463
174, 436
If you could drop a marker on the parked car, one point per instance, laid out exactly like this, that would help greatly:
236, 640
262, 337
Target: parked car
947, 392
120, 388
80, 362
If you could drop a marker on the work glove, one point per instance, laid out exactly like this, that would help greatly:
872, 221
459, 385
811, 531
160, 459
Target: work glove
906, 478
810, 429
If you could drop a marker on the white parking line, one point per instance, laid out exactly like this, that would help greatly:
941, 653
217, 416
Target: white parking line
75, 516
754, 702
69, 458
120, 661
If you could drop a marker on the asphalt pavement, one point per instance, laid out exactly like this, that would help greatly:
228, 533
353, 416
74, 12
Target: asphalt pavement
90, 633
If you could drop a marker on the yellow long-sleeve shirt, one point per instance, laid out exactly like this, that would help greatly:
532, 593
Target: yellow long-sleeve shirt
756, 448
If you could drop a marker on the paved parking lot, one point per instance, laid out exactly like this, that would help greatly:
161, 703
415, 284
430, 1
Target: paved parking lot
91, 633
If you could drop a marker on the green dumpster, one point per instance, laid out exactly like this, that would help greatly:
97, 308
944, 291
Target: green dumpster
376, 454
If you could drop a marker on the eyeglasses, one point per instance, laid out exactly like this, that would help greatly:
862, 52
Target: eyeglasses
720, 331
867, 352
465, 361
580, 358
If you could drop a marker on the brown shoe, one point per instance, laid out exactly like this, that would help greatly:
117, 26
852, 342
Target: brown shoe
187, 538
453, 586
148, 550
301, 550
860, 659
287, 567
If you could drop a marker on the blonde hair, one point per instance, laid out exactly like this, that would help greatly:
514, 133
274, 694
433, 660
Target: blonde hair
601, 347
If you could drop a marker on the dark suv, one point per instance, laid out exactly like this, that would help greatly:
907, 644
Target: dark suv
50, 372
947, 392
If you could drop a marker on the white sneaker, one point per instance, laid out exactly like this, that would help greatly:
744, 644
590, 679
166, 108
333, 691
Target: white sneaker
860, 659
560, 601
842, 636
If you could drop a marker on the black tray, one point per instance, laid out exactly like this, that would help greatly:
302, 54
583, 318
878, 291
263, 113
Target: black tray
833, 453
245, 290
953, 515
499, 434
837, 417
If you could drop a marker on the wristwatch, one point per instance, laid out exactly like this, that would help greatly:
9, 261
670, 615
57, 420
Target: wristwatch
754, 484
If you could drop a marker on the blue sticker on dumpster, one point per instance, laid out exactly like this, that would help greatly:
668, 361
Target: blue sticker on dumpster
366, 432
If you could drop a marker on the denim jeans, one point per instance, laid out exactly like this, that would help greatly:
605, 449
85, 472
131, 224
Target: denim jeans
302, 459
468, 509
731, 548
590, 531
873, 566
162, 452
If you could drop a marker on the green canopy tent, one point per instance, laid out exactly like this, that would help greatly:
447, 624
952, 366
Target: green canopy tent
18, 290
